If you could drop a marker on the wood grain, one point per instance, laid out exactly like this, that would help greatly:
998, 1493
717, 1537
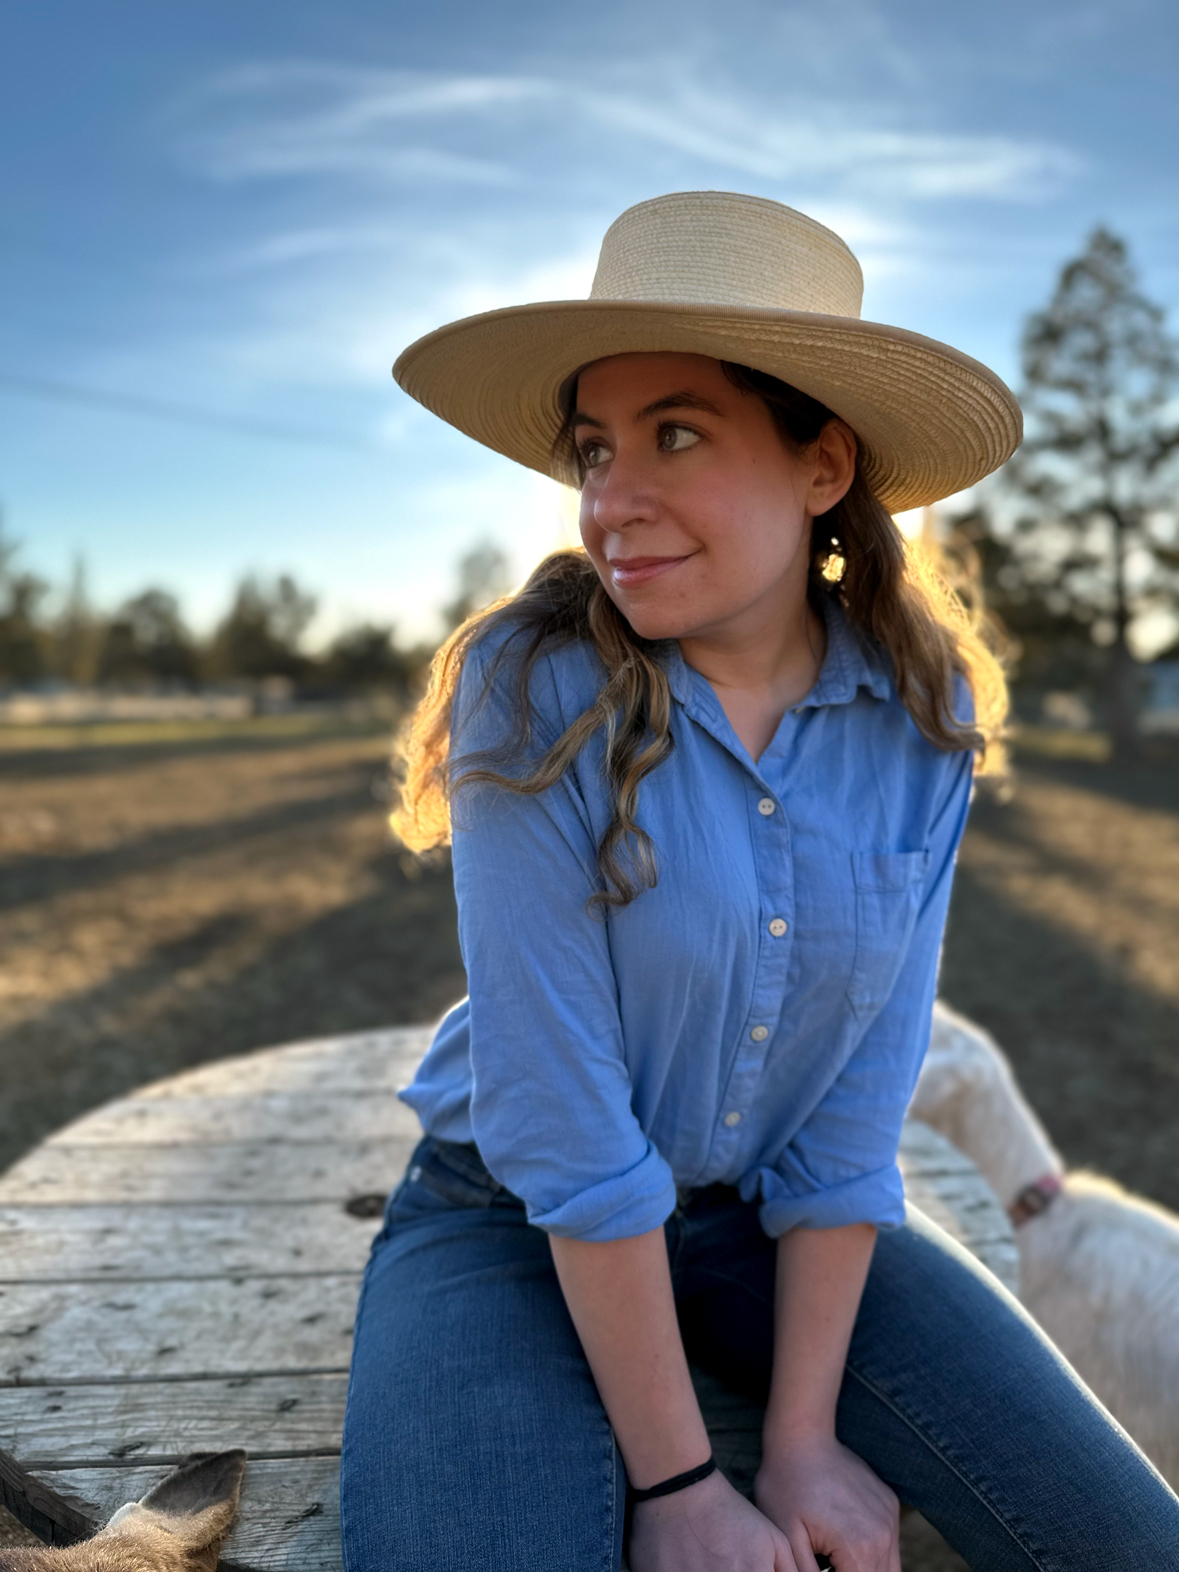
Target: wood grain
281, 1118
108, 1243
50, 1333
358, 1065
58, 1174
949, 1189
149, 1421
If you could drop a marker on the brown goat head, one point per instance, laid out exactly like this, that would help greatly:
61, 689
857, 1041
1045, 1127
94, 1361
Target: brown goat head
179, 1526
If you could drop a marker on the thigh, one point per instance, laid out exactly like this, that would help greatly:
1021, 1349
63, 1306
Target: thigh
474, 1438
955, 1397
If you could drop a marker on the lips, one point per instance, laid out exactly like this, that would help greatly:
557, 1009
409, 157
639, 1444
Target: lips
635, 570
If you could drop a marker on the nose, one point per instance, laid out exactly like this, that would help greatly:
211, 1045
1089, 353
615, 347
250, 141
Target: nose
620, 494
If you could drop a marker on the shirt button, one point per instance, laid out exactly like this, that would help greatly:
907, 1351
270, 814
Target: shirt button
766, 806
732, 1118
778, 927
760, 1033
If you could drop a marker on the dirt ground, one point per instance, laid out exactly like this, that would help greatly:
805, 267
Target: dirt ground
164, 902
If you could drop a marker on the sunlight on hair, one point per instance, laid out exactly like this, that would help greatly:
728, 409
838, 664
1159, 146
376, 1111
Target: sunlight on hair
909, 584
567, 500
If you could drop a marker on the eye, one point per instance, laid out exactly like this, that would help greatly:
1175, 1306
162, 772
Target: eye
673, 439
593, 453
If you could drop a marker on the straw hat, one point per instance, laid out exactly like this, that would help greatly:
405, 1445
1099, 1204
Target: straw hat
738, 278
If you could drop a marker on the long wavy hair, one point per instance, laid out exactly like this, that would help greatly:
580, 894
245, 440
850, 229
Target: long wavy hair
890, 591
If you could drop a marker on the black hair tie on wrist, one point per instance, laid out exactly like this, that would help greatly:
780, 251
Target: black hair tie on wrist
668, 1487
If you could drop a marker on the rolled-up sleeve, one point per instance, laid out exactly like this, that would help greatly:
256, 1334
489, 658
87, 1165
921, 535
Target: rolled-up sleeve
841, 1166
551, 1094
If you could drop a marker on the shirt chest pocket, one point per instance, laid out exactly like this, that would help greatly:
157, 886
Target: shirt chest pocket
889, 886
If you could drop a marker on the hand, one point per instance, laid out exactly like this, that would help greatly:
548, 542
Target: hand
825, 1498
709, 1527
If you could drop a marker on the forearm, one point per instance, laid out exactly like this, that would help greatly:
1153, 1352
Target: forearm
620, 1297
820, 1278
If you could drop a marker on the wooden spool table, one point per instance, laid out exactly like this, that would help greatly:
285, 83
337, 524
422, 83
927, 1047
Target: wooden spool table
179, 1272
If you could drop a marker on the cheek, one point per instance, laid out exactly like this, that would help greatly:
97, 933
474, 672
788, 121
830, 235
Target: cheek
759, 539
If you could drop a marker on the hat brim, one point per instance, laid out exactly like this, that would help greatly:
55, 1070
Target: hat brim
931, 420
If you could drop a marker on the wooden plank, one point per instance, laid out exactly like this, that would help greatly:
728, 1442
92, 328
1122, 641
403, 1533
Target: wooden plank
107, 1331
155, 1422
949, 1189
358, 1064
60, 1174
152, 1421
72, 1243
288, 1119
290, 1510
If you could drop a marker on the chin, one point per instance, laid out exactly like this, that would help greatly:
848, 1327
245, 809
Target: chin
656, 622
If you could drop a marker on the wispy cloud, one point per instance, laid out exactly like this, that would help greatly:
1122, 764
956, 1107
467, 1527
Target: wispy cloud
826, 141
305, 120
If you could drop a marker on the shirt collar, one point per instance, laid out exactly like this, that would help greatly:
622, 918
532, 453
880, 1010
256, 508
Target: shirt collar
852, 662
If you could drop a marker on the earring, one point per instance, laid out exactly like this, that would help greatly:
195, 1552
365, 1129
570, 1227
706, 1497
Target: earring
833, 563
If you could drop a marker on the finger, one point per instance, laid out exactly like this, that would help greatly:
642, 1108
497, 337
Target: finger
894, 1555
804, 1556
783, 1557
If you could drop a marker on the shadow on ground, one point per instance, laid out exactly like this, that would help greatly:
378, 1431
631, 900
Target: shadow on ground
391, 957
1095, 1046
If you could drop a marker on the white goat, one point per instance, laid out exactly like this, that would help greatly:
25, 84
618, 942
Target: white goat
1099, 1268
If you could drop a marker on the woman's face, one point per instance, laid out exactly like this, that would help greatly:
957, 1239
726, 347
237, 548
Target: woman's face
695, 514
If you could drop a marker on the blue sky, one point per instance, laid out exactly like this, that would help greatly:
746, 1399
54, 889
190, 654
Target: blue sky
245, 210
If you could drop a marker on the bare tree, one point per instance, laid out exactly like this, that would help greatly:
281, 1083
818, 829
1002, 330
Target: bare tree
1088, 506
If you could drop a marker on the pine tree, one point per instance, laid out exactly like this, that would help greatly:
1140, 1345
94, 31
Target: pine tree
1090, 503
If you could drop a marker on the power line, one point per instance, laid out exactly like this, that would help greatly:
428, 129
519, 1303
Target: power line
181, 414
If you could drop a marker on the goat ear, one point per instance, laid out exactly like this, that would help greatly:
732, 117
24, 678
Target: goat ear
184, 1520
198, 1484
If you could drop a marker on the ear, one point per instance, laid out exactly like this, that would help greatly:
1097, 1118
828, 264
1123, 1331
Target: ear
184, 1520
833, 467
198, 1484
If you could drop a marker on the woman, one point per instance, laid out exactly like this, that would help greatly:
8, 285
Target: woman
707, 779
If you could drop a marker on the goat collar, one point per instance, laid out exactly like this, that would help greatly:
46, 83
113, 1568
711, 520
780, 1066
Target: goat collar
1034, 1198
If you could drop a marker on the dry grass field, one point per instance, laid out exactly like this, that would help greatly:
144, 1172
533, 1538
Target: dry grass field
171, 896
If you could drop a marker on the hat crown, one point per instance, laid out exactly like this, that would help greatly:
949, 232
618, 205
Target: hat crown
717, 248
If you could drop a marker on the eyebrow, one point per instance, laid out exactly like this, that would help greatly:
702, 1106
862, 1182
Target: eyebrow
684, 399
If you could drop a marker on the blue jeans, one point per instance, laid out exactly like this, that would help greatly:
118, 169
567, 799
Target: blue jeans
475, 1440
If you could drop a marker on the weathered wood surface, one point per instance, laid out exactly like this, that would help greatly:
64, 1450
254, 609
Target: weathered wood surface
125, 1422
144, 1331
949, 1189
287, 1118
179, 1272
60, 1174
72, 1243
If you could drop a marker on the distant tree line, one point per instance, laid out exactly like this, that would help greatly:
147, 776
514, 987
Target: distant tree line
1076, 540
147, 642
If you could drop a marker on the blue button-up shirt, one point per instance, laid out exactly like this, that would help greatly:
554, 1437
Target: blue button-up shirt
759, 1016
